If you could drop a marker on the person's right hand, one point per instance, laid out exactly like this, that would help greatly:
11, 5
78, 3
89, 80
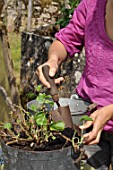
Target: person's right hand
53, 69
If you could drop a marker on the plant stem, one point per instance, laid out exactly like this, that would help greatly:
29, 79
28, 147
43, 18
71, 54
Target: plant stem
19, 140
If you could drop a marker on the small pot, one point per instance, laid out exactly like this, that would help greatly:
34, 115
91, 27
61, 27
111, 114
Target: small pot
37, 106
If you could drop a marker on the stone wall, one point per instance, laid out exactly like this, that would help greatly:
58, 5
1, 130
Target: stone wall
34, 53
35, 46
41, 16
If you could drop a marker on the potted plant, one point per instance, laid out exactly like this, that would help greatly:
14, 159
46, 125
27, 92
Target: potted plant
34, 141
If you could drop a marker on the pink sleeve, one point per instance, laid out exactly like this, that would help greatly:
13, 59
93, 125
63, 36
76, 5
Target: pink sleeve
72, 36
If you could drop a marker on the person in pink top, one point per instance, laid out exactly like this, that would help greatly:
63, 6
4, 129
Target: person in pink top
91, 27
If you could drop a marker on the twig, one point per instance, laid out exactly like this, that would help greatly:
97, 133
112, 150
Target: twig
20, 108
23, 127
7, 99
65, 144
19, 140
67, 139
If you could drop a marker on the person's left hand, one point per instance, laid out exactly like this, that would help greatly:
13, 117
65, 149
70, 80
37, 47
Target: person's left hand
100, 118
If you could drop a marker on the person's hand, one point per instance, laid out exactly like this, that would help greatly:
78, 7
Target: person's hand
100, 118
53, 69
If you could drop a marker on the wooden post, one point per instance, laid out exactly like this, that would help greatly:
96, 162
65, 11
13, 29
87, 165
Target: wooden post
29, 23
9, 65
19, 13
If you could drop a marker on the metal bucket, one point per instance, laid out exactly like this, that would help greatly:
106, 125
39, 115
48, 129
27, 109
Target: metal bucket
77, 107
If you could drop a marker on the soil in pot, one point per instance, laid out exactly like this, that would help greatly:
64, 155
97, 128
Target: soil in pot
52, 144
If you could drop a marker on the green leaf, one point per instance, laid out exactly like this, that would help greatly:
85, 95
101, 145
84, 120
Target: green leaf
30, 95
45, 127
7, 126
49, 102
48, 97
53, 137
38, 88
41, 119
59, 126
66, 12
41, 98
27, 113
33, 107
44, 99
86, 118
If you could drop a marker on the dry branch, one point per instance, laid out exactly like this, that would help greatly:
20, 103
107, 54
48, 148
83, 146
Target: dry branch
6, 98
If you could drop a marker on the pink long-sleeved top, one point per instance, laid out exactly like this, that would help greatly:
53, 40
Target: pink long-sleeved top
87, 28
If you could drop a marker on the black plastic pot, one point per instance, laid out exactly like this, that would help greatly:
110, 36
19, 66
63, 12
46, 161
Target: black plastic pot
17, 159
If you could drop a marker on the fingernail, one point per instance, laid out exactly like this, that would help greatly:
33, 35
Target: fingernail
80, 127
52, 72
48, 86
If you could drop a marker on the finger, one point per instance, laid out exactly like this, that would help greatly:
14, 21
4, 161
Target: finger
52, 71
86, 125
92, 137
89, 139
42, 78
86, 138
59, 80
96, 140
